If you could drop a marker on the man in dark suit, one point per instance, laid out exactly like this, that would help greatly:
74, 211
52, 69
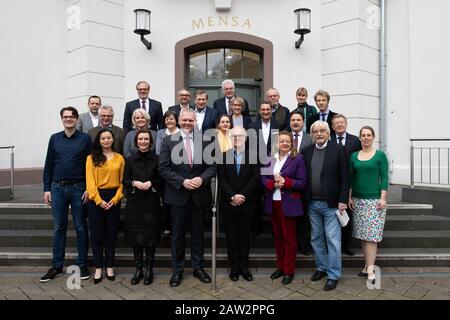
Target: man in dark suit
327, 193
153, 107
187, 191
89, 120
279, 113
301, 140
205, 116
222, 105
238, 179
322, 99
261, 133
106, 115
184, 99
265, 129
351, 144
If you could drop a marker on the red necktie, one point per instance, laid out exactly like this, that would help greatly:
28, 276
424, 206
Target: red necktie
143, 105
296, 141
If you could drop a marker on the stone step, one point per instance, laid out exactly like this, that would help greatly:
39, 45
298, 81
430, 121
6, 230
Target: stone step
392, 239
262, 258
393, 222
42, 208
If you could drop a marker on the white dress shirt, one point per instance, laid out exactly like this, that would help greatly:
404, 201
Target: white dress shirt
265, 131
200, 116
94, 119
276, 170
344, 138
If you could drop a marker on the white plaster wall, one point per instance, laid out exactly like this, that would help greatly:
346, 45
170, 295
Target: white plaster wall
33, 76
418, 65
172, 21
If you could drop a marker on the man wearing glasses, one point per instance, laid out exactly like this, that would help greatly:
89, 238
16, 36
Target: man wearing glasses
153, 107
184, 99
223, 105
106, 115
327, 192
64, 185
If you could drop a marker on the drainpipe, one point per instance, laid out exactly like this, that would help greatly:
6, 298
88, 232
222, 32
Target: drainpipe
383, 109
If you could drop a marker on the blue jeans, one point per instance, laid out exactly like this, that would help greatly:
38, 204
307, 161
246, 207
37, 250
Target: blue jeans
62, 196
326, 238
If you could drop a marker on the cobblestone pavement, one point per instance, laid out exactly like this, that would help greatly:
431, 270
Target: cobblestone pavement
22, 283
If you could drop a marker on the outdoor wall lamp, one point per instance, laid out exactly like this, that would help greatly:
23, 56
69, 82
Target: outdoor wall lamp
143, 25
303, 24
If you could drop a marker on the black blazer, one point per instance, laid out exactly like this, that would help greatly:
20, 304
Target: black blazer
175, 173
334, 176
154, 109
210, 119
141, 167
221, 107
257, 125
316, 117
177, 109
352, 144
231, 183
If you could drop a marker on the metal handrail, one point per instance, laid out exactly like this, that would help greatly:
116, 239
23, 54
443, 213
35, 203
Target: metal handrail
430, 161
11, 192
214, 227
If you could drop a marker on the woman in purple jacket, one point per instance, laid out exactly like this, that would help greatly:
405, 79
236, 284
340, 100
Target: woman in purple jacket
283, 180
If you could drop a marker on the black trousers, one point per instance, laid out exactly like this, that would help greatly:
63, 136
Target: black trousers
103, 226
346, 234
238, 228
180, 217
304, 233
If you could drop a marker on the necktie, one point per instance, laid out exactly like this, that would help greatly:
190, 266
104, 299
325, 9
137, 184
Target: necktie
187, 147
143, 105
323, 115
238, 162
340, 140
296, 141
230, 107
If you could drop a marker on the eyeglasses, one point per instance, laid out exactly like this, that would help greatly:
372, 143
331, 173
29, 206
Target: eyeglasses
184, 95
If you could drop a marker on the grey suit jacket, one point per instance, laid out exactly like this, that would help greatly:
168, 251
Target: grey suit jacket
306, 141
84, 122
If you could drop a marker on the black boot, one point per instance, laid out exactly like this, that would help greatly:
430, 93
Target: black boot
138, 253
149, 259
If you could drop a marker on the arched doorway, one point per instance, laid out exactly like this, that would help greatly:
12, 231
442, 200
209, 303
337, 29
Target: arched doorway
204, 61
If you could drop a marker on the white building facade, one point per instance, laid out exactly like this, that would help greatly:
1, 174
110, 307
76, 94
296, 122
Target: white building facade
56, 53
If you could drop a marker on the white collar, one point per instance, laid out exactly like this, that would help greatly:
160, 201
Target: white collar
322, 147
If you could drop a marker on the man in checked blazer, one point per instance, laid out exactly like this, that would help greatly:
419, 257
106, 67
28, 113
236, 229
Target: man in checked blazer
153, 107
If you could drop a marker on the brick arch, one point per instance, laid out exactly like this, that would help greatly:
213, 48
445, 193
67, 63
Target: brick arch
222, 39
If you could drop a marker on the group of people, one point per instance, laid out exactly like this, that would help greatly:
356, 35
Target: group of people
302, 168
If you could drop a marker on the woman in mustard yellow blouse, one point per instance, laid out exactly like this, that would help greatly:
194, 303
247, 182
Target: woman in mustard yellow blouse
104, 173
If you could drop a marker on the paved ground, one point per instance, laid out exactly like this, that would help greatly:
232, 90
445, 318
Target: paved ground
22, 283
